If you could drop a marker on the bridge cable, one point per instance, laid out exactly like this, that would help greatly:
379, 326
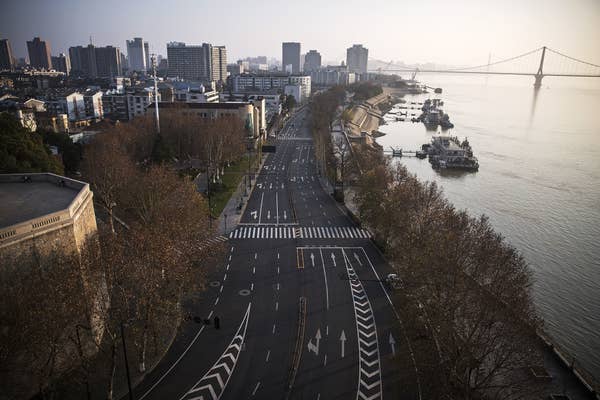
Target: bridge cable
497, 62
572, 58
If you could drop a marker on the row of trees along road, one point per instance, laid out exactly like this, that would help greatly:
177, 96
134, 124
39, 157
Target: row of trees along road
324, 108
147, 267
461, 280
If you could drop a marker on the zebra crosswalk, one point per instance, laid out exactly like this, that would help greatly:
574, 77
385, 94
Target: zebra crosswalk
290, 232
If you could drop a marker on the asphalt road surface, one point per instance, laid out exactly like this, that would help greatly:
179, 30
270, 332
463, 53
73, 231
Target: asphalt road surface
293, 242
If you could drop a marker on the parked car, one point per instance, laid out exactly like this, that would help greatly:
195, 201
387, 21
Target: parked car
393, 281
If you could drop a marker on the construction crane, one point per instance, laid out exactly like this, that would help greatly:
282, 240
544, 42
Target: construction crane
414, 75
388, 65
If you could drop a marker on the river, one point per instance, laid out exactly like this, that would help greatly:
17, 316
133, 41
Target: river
538, 181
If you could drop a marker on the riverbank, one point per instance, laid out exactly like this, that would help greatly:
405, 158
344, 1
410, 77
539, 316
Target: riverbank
362, 120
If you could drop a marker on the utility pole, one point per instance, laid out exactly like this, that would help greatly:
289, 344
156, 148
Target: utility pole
155, 93
208, 195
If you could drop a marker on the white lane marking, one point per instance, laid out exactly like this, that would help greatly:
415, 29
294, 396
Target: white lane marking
277, 206
325, 278
262, 197
276, 305
255, 256
273, 329
252, 286
227, 267
255, 388
221, 290
217, 301
210, 315
226, 363
277, 270
278, 286
224, 277
253, 270
231, 249
268, 355
325, 361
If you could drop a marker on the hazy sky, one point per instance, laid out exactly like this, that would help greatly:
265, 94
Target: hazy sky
451, 32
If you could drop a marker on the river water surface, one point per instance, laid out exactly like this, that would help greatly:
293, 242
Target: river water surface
538, 181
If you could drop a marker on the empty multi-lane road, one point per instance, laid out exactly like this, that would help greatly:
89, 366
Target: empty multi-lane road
293, 242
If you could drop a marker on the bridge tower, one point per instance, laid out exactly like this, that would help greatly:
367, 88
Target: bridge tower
540, 72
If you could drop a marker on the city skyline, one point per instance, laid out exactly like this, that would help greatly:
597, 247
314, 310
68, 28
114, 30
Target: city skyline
409, 34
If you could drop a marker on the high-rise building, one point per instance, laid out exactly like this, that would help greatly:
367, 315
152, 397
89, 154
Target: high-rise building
356, 59
206, 63
108, 61
218, 64
312, 61
92, 62
83, 61
147, 52
7, 60
290, 57
137, 55
187, 62
62, 63
39, 53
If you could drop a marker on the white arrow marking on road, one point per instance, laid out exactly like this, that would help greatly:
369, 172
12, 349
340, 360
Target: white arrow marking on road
269, 214
282, 185
313, 348
284, 215
333, 259
392, 343
343, 341
254, 214
312, 259
270, 186
259, 185
318, 337
358, 259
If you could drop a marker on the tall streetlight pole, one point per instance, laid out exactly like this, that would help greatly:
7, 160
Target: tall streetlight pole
126, 362
155, 93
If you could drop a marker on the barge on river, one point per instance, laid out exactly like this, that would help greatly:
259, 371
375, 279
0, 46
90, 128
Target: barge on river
447, 152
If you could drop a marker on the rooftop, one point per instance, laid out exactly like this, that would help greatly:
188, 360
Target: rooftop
229, 105
22, 200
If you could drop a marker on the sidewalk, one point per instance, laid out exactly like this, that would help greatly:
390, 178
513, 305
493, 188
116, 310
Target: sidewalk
230, 216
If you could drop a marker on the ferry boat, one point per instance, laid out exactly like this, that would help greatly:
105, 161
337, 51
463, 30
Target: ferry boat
449, 152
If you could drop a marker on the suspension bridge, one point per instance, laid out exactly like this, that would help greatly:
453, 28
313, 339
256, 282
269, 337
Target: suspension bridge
538, 63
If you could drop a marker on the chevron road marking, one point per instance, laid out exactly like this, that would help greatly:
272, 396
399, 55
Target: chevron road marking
213, 383
369, 371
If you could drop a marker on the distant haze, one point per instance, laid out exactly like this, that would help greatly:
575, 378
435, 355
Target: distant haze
458, 32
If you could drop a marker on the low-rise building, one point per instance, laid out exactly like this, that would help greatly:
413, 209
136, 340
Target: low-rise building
44, 212
93, 104
272, 100
268, 82
138, 101
115, 106
333, 75
252, 113
66, 102
295, 91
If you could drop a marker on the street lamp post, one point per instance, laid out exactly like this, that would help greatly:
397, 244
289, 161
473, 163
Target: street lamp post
126, 362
